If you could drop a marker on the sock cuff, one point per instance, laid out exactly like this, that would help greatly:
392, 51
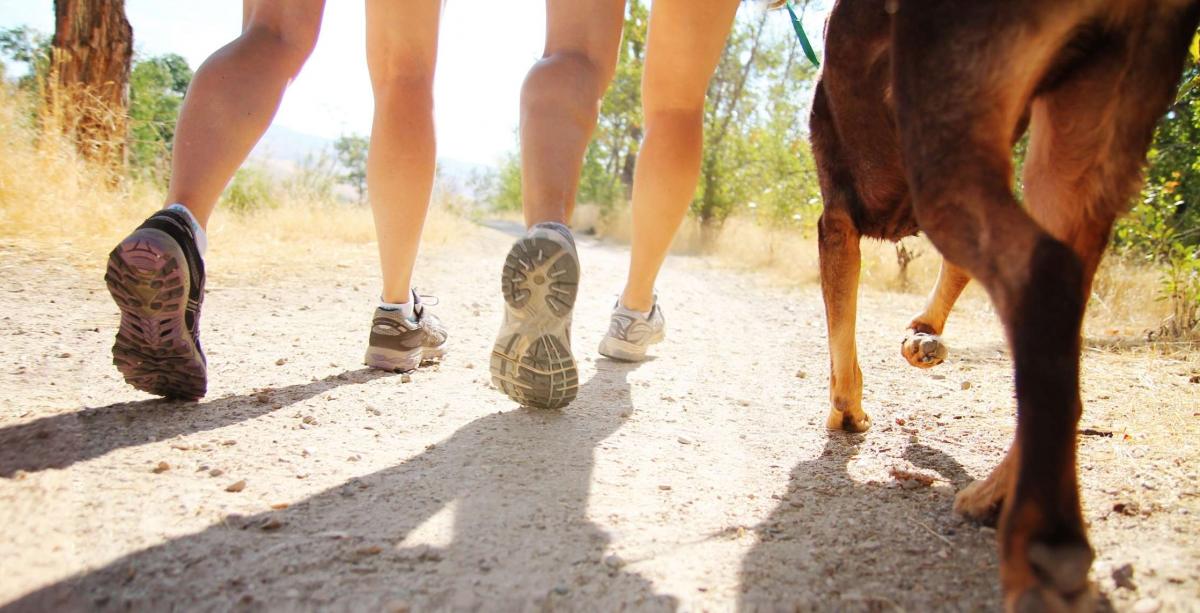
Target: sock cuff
197, 231
557, 227
408, 309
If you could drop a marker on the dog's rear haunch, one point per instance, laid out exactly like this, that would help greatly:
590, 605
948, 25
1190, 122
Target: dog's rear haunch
913, 124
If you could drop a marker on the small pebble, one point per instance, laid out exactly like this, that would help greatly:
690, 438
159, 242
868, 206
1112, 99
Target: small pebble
216, 472
966, 385
614, 561
281, 361
236, 487
405, 378
664, 488
800, 374
162, 467
263, 398
1123, 577
1147, 605
271, 523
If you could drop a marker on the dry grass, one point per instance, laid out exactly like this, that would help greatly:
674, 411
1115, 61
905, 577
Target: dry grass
1124, 296
50, 196
52, 200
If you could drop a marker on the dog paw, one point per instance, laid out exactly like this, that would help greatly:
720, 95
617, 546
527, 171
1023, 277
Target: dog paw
850, 421
980, 501
1056, 580
923, 350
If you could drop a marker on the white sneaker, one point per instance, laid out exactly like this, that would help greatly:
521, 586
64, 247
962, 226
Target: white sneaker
630, 333
531, 360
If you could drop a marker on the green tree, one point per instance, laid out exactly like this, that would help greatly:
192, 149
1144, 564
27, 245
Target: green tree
157, 86
352, 156
607, 175
756, 154
27, 46
1164, 226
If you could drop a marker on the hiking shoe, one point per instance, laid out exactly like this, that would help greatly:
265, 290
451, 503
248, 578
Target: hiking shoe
400, 344
531, 361
156, 277
630, 333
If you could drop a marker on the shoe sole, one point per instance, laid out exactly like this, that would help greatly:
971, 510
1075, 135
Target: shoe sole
148, 278
402, 361
531, 361
626, 351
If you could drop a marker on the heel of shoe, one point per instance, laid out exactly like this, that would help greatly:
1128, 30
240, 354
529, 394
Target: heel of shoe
542, 376
154, 349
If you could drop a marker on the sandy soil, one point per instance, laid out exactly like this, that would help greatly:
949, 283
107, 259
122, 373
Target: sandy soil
702, 480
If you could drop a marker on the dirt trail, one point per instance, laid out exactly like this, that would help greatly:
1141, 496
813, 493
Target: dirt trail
700, 480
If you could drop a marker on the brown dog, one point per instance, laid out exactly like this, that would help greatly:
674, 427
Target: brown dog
913, 124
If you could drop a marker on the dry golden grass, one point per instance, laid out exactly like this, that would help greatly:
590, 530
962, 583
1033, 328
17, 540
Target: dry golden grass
49, 195
1124, 296
52, 200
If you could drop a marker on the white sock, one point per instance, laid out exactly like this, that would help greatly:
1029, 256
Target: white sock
201, 236
405, 308
642, 314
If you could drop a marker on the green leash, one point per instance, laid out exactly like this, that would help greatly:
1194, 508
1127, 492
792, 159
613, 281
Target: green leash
804, 44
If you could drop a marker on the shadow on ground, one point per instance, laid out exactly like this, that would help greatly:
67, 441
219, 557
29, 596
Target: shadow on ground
515, 488
62, 440
835, 544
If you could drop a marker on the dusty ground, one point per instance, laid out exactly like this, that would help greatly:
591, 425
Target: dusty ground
701, 480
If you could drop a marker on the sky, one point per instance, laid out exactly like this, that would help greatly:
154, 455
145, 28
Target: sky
485, 49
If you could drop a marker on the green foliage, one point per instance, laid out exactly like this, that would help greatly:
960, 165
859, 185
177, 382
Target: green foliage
756, 153
607, 174
1164, 227
352, 156
501, 188
31, 48
157, 86
251, 189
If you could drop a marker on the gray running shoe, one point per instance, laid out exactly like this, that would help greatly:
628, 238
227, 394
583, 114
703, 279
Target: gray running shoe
630, 333
531, 361
400, 344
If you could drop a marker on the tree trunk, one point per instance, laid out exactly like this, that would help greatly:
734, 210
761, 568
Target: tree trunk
89, 93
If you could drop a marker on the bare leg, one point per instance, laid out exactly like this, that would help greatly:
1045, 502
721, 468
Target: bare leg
561, 100
531, 361
922, 345
684, 44
234, 96
401, 54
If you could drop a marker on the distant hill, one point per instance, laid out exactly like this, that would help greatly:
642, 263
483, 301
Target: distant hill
282, 149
